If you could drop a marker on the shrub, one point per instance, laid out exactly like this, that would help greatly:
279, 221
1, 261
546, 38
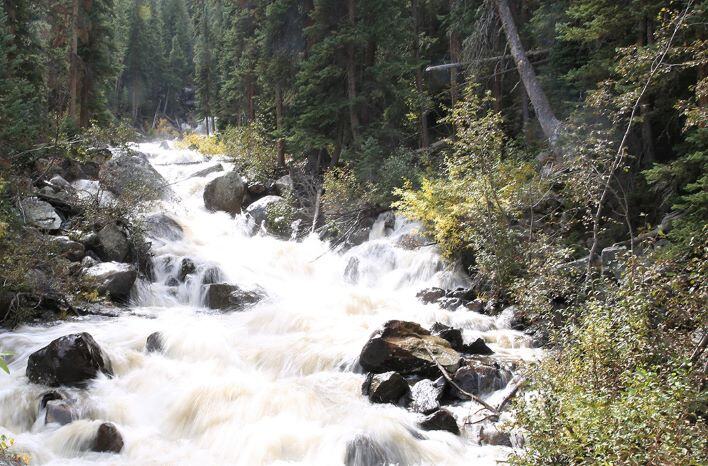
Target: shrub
207, 145
252, 151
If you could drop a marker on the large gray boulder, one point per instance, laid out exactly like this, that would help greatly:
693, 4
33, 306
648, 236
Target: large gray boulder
112, 243
407, 348
266, 208
131, 171
161, 226
225, 193
441, 419
40, 214
113, 278
71, 360
226, 297
284, 185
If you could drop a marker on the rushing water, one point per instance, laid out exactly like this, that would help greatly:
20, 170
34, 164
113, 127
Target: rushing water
276, 384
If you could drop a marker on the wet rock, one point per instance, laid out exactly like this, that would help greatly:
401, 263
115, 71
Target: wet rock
450, 304
112, 243
452, 335
489, 434
476, 305
211, 275
389, 220
360, 236
40, 214
266, 208
72, 250
406, 347
477, 347
154, 343
59, 412
223, 296
172, 281
430, 295
351, 271
113, 278
412, 241
388, 387
71, 360
132, 172
284, 186
208, 171
225, 193
257, 188
186, 267
426, 394
88, 261
108, 439
464, 294
479, 378
161, 226
364, 451
441, 419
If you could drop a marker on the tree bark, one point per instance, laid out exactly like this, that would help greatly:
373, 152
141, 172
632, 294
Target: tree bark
280, 144
549, 123
455, 52
419, 82
74, 62
351, 73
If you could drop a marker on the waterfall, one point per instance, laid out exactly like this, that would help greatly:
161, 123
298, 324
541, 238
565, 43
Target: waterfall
277, 383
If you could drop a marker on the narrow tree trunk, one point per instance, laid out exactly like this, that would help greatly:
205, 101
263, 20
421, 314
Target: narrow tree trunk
419, 83
648, 154
250, 96
74, 62
279, 125
549, 123
455, 52
351, 74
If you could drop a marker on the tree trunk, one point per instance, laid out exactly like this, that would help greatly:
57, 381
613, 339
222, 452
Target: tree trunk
74, 62
250, 97
419, 83
455, 52
351, 73
279, 125
549, 123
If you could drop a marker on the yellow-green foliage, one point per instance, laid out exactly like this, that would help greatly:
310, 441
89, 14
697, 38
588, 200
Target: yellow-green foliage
251, 151
7, 457
207, 145
475, 205
623, 391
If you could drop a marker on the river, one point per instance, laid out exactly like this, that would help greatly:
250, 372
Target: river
276, 384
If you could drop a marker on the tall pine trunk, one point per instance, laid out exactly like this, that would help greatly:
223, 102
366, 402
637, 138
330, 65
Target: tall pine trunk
351, 73
419, 82
549, 123
74, 62
280, 144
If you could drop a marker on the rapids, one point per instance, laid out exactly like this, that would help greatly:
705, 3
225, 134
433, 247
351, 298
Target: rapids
276, 384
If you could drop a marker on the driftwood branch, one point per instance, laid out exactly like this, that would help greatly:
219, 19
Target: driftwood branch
452, 382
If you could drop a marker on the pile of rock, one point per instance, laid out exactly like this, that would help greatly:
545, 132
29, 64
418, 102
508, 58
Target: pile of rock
405, 364
72, 361
454, 299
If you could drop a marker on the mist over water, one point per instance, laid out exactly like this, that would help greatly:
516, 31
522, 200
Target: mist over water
276, 384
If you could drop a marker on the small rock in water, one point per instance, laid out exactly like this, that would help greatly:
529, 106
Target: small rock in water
441, 419
476, 305
70, 360
478, 378
211, 276
59, 412
450, 304
426, 395
113, 278
108, 439
186, 267
477, 347
208, 171
154, 343
223, 296
388, 387
430, 295
364, 451
452, 335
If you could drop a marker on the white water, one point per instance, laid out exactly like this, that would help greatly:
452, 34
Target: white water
276, 384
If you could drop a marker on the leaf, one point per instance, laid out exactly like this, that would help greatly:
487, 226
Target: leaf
3, 363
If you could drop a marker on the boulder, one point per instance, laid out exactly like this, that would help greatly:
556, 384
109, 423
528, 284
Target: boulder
479, 378
450, 304
611, 259
71, 360
111, 243
113, 278
426, 394
60, 183
257, 188
154, 343
388, 387
225, 193
407, 348
441, 419
476, 305
284, 186
211, 276
208, 171
365, 451
40, 214
266, 208
161, 226
430, 295
132, 172
223, 296
186, 267
108, 439
72, 250
88, 261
